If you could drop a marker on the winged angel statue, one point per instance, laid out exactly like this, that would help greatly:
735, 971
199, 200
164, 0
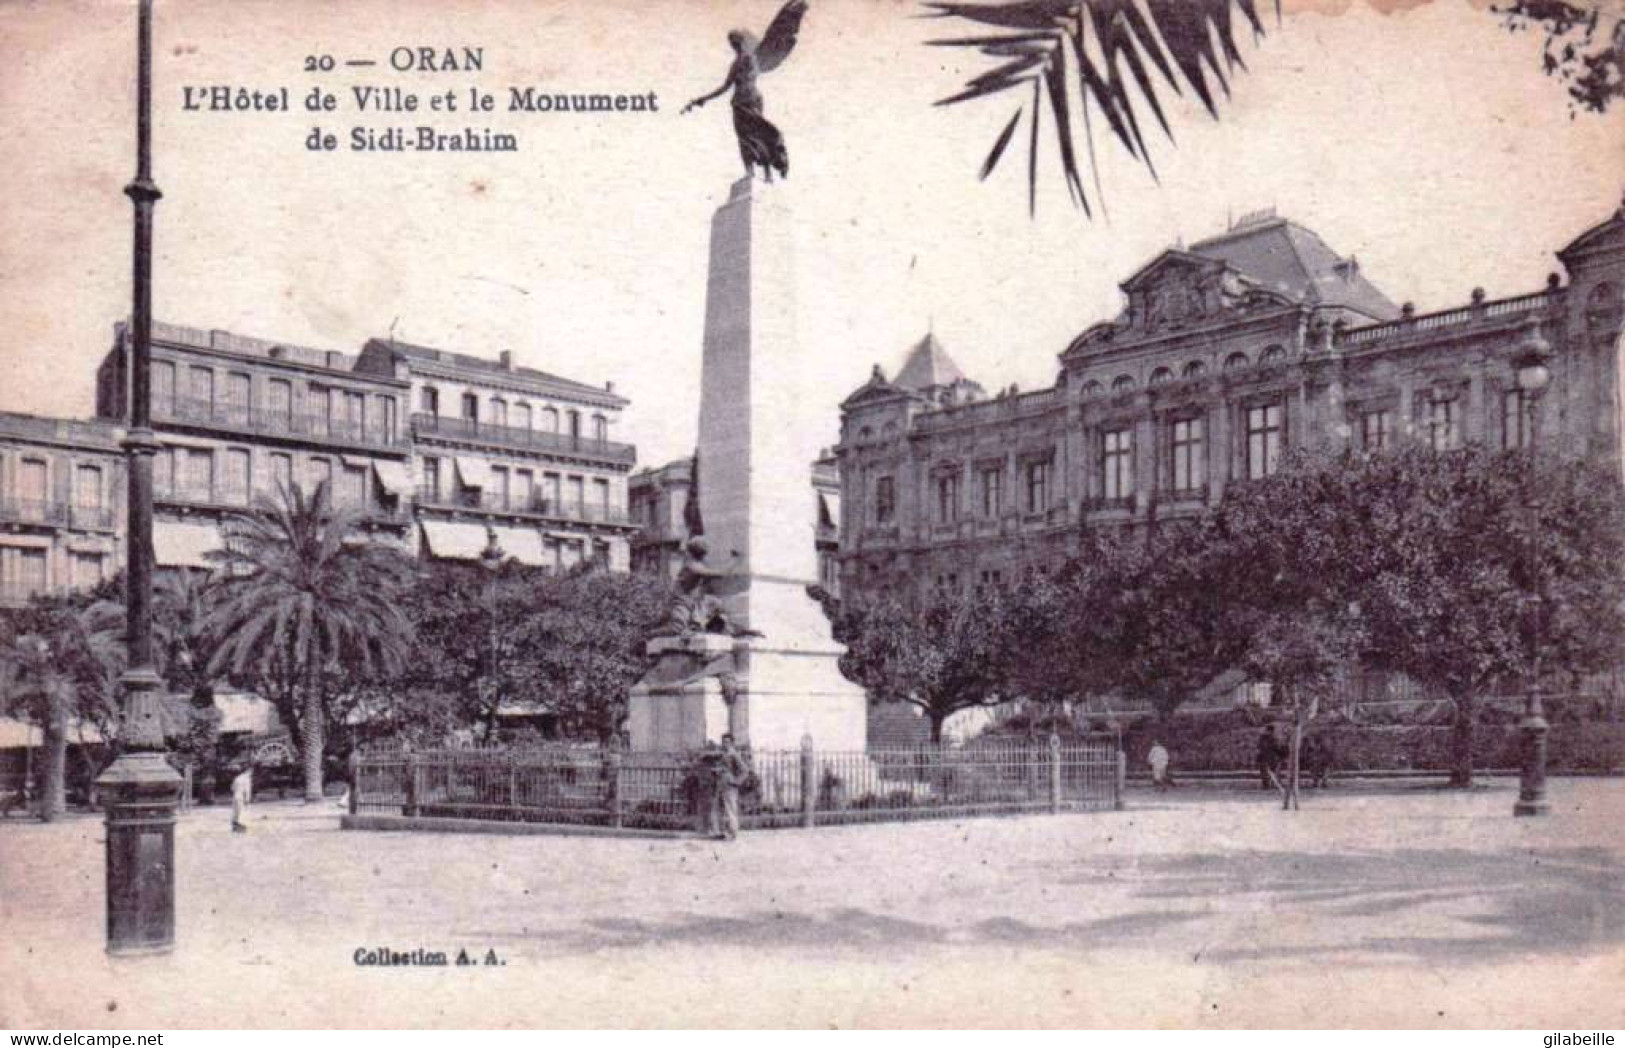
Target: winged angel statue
760, 143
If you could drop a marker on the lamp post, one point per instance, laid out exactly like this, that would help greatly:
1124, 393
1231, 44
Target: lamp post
140, 787
491, 558
1533, 376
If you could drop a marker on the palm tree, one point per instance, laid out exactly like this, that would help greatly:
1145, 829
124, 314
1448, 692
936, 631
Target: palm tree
64, 660
302, 600
1047, 46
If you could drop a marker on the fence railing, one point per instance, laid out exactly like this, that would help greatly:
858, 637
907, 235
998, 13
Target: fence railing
521, 437
678, 791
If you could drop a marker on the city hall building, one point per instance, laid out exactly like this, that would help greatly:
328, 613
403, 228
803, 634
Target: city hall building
1225, 354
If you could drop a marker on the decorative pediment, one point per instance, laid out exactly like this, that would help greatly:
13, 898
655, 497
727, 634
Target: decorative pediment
1178, 289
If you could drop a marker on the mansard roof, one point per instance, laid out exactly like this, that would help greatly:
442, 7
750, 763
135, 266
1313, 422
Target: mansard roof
494, 370
1281, 256
928, 365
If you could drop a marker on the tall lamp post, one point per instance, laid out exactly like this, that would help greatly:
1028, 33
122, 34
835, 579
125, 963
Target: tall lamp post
1533, 376
491, 558
140, 787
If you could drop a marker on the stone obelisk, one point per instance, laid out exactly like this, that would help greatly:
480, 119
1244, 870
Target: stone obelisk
758, 508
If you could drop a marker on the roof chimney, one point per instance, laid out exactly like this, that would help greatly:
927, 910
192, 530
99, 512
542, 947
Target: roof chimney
506, 358
609, 387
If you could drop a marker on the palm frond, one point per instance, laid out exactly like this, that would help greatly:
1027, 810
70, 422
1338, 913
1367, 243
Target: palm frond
1122, 53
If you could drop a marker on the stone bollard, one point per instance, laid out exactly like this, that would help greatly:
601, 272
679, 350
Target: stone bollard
809, 782
1054, 774
1122, 778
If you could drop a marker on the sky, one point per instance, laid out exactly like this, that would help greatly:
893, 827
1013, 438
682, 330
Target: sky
1422, 139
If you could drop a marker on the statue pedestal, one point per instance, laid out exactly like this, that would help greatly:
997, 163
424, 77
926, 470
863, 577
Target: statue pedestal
757, 502
679, 705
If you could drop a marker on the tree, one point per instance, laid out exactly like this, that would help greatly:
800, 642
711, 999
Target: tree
60, 661
1584, 47
943, 657
305, 608
582, 644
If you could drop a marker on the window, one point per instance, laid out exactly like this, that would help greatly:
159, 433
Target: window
600, 497
1517, 427
600, 427
499, 487
1161, 377
1038, 486
524, 489
499, 412
429, 400
279, 401
575, 491
199, 483
992, 491
573, 420
87, 569
471, 407
281, 473
1376, 429
1187, 442
550, 420
31, 481
321, 409
947, 498
239, 394
885, 500
1443, 432
1195, 369
1093, 388
234, 489
321, 472
163, 473
389, 419
521, 415
163, 387
352, 488
24, 570
1235, 361
550, 491
355, 415
87, 487
1263, 440
1117, 464
1123, 384
202, 388
1272, 356
431, 478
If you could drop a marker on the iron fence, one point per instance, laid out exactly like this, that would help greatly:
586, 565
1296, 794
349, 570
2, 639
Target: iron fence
675, 791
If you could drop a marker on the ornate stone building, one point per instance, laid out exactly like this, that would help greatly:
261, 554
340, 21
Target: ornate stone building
61, 505
1226, 353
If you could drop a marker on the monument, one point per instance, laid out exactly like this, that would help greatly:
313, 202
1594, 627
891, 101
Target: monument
749, 650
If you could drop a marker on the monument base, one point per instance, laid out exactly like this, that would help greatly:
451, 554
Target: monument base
782, 695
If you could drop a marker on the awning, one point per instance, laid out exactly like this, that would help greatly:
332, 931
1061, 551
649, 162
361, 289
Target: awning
394, 476
523, 545
454, 541
176, 544
473, 472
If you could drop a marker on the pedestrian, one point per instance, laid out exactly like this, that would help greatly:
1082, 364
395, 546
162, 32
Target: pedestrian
731, 772
1158, 758
242, 792
1269, 759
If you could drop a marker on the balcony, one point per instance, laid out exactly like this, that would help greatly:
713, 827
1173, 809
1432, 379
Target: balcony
537, 506
237, 502
18, 594
260, 421
34, 511
529, 439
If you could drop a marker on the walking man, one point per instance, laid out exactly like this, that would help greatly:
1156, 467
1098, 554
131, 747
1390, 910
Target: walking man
731, 773
1158, 758
242, 792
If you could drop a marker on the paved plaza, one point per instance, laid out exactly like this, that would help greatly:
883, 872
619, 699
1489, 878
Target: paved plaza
1404, 908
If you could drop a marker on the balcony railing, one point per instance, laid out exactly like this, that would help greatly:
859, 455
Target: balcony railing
33, 511
536, 506
237, 502
17, 594
517, 437
241, 418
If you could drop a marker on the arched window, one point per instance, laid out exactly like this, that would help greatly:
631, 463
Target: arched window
1235, 361
521, 415
550, 420
1093, 388
1272, 356
1123, 384
1161, 376
1195, 369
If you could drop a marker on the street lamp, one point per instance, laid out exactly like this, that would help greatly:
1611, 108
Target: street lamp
1533, 375
491, 558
